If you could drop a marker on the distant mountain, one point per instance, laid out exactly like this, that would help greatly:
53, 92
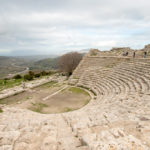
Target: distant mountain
35, 58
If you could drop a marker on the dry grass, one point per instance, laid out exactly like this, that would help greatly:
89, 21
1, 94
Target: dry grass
38, 107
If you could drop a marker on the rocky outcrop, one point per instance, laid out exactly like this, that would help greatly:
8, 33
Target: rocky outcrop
147, 47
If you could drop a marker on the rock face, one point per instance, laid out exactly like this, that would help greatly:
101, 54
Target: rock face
147, 47
121, 52
121, 48
117, 118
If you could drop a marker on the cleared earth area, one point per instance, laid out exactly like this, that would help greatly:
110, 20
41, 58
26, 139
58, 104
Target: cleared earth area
51, 97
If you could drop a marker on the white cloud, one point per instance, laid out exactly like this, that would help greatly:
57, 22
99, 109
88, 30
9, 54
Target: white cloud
105, 44
53, 26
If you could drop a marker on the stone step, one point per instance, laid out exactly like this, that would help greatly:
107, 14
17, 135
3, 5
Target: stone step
137, 84
137, 79
127, 82
66, 138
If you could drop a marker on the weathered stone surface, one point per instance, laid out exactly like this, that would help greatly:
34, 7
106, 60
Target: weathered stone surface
118, 118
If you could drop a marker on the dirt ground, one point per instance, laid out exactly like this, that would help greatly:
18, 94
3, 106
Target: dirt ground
46, 99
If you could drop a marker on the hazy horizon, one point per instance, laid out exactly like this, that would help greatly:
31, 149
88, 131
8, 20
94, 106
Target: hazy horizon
47, 27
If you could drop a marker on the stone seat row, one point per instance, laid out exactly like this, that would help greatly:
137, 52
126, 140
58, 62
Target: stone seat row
119, 79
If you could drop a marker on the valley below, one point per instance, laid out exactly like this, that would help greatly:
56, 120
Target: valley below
11, 66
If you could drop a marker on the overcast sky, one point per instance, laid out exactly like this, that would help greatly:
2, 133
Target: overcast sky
29, 27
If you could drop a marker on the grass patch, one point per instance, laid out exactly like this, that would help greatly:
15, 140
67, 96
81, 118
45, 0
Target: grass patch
1, 110
78, 91
67, 109
38, 107
86, 102
88, 89
4, 84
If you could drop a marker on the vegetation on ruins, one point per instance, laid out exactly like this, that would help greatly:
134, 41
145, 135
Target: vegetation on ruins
69, 61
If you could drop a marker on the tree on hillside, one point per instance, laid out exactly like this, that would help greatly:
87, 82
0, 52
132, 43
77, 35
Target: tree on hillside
69, 62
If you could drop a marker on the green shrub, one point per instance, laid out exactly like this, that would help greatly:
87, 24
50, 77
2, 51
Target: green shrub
37, 75
67, 109
50, 73
28, 77
31, 73
43, 73
18, 76
6, 79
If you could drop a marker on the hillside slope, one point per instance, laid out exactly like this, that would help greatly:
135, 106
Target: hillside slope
11, 65
45, 64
